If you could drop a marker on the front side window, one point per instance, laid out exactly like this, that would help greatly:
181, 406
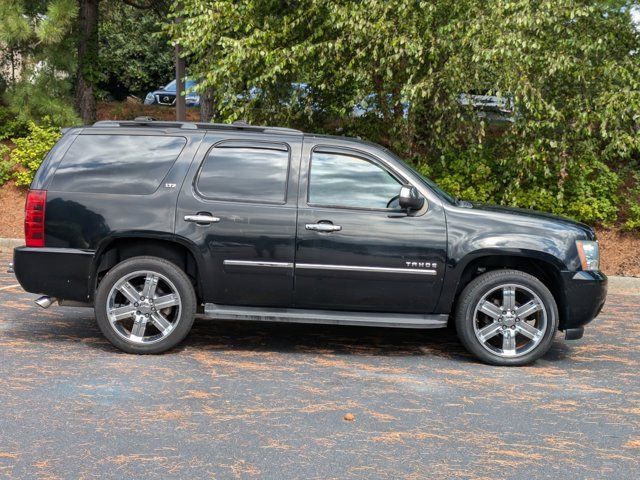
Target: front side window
341, 180
245, 173
122, 164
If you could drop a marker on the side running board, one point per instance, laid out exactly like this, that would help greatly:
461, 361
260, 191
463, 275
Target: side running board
329, 317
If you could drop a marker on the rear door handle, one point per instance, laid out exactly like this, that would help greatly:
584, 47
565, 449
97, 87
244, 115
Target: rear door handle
201, 218
323, 227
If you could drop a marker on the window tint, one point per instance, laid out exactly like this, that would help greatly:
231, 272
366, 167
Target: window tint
346, 181
245, 173
125, 164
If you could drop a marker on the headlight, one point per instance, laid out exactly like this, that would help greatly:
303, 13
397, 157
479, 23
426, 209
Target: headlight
589, 254
149, 96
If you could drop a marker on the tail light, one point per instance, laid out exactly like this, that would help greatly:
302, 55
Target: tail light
34, 218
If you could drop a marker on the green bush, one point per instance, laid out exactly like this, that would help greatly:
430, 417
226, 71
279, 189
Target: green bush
31, 150
6, 167
633, 221
10, 125
632, 203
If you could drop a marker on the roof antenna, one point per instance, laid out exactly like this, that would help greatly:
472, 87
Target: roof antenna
144, 119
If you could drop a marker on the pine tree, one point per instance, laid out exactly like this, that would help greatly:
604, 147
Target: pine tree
39, 59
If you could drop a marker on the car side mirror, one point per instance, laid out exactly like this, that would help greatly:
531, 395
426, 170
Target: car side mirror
410, 199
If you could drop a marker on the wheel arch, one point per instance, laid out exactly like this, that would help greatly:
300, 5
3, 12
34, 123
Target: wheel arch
544, 266
175, 249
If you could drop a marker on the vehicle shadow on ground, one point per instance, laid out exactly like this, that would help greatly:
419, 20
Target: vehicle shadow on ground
79, 326
338, 340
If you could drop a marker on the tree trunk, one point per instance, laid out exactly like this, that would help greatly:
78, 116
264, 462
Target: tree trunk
87, 60
206, 105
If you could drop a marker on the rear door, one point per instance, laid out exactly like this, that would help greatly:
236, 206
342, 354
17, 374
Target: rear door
238, 207
355, 250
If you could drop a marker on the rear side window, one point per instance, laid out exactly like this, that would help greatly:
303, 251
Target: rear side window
247, 173
123, 164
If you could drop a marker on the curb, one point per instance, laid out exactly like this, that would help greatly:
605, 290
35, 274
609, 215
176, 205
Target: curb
624, 285
10, 243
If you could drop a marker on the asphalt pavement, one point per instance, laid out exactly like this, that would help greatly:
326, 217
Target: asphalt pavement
254, 400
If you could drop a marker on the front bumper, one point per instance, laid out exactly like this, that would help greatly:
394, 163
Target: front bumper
585, 294
64, 273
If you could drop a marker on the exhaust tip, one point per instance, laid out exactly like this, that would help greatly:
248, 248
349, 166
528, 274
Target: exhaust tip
45, 301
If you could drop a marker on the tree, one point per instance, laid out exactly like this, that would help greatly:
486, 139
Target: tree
571, 67
37, 37
86, 78
56, 45
135, 56
207, 106
88, 74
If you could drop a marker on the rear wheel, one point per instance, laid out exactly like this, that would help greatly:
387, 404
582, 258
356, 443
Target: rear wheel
507, 317
145, 305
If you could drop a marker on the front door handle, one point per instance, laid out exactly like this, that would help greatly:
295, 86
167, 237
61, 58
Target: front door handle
201, 218
323, 227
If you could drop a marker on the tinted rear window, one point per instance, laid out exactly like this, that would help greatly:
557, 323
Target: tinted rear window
245, 173
124, 164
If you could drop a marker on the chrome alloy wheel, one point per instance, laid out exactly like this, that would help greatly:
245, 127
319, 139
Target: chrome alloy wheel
143, 307
510, 320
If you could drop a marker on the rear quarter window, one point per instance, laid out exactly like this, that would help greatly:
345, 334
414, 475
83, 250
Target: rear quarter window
120, 164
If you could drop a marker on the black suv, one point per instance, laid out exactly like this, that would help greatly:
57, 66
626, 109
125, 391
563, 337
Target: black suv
154, 222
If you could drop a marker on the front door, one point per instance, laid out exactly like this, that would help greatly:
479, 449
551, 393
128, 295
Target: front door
238, 207
355, 250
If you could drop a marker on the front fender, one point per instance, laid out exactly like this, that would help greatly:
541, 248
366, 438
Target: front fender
496, 237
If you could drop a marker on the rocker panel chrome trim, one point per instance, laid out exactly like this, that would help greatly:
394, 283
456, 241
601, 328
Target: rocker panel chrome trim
328, 317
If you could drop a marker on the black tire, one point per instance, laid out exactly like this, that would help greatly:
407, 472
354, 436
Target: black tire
484, 285
183, 317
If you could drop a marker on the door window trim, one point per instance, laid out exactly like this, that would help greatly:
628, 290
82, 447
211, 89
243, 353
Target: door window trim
235, 143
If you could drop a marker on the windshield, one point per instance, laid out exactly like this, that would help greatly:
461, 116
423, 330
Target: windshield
436, 188
427, 181
171, 86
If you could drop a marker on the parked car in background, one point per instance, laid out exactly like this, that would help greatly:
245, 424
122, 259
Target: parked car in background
167, 95
492, 108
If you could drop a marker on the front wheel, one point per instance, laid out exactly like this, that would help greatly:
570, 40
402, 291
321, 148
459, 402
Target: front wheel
507, 317
145, 305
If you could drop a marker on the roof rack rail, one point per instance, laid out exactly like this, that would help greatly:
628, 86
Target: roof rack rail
238, 125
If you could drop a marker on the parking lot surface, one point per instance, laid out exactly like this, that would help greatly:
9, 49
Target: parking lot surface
253, 400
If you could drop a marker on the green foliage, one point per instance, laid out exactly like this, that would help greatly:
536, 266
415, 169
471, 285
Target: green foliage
6, 167
572, 69
135, 57
633, 221
29, 151
633, 204
43, 100
40, 35
10, 125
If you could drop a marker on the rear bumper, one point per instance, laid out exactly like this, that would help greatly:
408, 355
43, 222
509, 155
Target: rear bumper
63, 273
585, 294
